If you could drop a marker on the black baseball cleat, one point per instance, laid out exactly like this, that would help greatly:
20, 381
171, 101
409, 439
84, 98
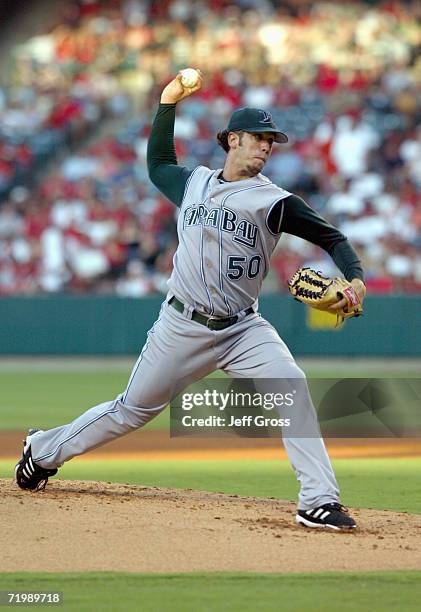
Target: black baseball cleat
332, 515
28, 474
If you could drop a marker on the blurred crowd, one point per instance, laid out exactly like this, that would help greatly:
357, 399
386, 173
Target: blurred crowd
342, 80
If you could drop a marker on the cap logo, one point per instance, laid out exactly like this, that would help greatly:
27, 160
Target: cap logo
265, 117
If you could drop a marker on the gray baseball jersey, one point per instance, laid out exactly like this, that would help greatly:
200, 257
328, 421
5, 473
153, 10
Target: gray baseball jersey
225, 244
227, 232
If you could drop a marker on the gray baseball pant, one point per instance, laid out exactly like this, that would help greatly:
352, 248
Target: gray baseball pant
178, 352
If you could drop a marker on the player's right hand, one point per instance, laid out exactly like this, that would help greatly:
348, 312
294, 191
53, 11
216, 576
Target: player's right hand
174, 91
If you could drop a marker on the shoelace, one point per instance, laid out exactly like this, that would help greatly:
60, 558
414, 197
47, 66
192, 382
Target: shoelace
339, 507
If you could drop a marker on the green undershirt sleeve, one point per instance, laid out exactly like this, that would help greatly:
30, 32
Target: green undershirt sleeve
164, 172
296, 217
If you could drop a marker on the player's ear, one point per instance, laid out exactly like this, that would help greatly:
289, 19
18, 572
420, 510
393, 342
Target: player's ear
233, 140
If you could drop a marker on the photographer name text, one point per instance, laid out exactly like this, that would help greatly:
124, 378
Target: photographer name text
244, 421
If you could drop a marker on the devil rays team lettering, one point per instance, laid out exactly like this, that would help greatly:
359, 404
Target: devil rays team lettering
243, 231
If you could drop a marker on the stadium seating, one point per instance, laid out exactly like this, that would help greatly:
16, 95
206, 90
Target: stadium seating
340, 79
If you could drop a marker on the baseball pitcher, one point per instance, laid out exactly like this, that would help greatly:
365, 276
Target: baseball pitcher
230, 221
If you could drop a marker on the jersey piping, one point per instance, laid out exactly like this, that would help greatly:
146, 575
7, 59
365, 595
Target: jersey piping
221, 282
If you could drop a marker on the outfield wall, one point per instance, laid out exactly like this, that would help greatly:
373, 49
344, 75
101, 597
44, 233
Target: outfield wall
100, 325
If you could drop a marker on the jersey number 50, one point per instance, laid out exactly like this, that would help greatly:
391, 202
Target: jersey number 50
239, 265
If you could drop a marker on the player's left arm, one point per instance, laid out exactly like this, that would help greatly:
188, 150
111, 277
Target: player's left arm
294, 216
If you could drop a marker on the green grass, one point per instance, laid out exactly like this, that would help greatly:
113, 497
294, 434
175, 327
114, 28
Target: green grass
46, 399
391, 484
49, 399
226, 592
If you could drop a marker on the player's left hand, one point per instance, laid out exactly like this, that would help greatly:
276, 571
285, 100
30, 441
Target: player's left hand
334, 295
175, 91
360, 290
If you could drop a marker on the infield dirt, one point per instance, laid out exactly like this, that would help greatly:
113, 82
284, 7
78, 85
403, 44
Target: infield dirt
89, 526
145, 444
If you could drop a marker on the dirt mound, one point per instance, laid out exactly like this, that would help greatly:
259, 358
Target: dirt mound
91, 526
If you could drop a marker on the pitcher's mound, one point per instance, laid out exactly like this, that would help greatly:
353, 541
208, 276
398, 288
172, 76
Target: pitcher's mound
91, 526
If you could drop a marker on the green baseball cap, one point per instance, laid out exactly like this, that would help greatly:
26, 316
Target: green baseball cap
255, 120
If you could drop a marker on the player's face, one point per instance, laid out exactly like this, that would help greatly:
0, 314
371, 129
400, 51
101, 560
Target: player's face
253, 151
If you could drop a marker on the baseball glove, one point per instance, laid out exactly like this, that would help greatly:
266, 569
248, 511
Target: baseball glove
320, 292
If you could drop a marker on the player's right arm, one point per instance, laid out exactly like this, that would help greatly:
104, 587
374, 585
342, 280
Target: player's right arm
164, 171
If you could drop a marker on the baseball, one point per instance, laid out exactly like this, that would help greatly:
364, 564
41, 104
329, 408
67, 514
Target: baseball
189, 77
